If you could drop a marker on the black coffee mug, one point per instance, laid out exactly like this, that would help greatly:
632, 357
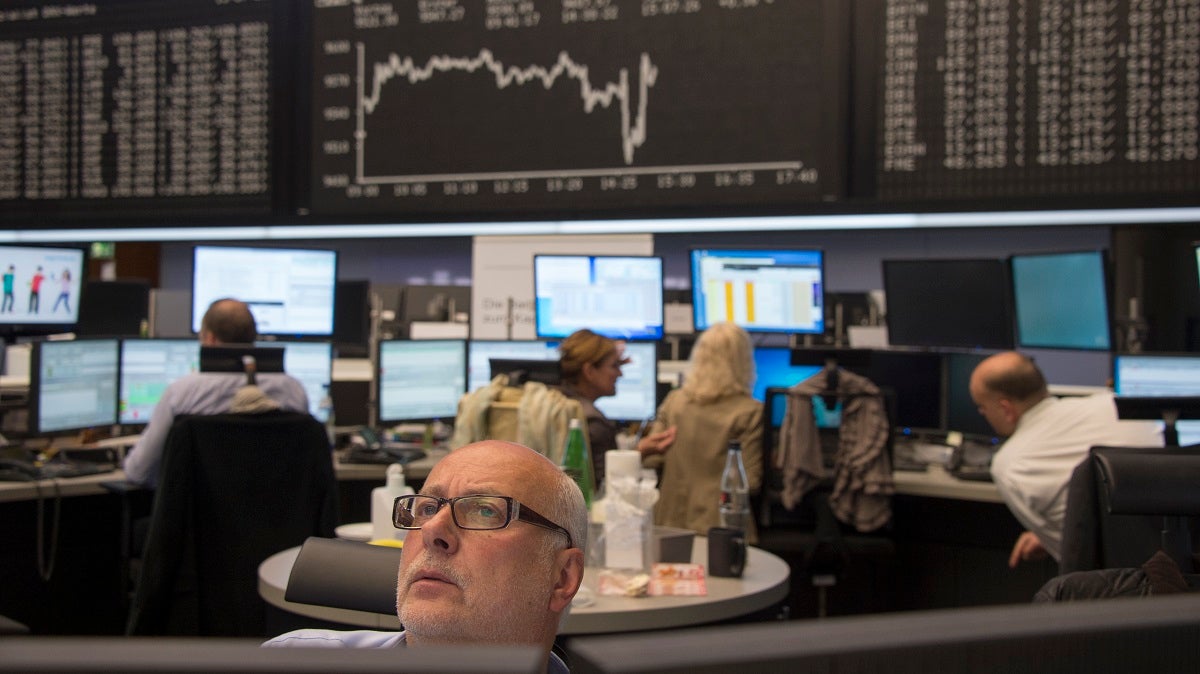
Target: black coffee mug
726, 552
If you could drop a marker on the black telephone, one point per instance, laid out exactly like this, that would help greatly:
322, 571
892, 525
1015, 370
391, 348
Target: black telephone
367, 447
16, 470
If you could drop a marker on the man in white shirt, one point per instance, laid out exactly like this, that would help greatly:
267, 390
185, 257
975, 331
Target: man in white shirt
227, 321
1047, 438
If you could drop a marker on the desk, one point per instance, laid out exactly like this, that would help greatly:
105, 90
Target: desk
764, 583
935, 482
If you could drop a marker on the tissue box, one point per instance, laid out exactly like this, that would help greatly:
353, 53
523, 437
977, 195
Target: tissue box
673, 545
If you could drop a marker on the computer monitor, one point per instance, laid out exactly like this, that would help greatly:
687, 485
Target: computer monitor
480, 353
420, 380
618, 296
948, 303
773, 368
114, 309
916, 379
1147, 375
636, 388
1060, 300
290, 291
352, 318
73, 384
961, 412
41, 287
762, 290
311, 363
635, 398
147, 367
523, 370
1163, 375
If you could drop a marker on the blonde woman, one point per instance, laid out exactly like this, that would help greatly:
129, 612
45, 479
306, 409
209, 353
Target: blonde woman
711, 408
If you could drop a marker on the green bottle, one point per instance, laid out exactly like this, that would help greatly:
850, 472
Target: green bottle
577, 463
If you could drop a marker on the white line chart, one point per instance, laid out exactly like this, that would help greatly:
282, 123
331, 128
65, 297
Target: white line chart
633, 126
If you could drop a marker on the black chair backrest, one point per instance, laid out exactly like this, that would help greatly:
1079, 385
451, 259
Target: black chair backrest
234, 489
1097, 536
345, 574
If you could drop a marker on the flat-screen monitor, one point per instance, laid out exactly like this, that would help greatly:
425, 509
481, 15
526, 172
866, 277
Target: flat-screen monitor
521, 370
916, 379
352, 318
420, 380
147, 367
480, 353
290, 291
773, 368
311, 363
636, 388
961, 412
1146, 375
1149, 634
73, 384
617, 296
41, 286
635, 398
762, 290
1060, 300
114, 309
948, 303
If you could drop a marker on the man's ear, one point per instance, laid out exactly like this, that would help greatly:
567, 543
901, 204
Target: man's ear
568, 577
1010, 409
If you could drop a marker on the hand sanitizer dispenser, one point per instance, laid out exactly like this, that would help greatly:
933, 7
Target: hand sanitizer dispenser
382, 499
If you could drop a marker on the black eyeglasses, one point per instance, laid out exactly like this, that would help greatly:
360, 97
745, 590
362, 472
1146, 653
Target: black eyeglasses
478, 512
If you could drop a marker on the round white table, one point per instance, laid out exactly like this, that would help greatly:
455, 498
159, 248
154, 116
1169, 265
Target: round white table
764, 583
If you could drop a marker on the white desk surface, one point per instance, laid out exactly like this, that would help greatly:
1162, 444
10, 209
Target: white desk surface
937, 483
764, 583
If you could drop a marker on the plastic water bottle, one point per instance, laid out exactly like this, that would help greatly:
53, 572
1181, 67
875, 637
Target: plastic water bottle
735, 490
326, 410
382, 500
577, 463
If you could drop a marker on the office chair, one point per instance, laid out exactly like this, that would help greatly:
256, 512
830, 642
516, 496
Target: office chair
818, 547
1145, 505
345, 574
1097, 537
234, 489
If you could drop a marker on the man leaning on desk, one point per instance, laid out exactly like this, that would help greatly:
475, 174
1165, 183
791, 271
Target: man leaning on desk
1047, 438
497, 558
226, 322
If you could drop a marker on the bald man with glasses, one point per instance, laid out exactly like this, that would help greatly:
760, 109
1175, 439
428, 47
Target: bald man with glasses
495, 557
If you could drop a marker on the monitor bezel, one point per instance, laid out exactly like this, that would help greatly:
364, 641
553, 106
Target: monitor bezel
35, 426
196, 313
378, 381
1107, 282
693, 271
661, 331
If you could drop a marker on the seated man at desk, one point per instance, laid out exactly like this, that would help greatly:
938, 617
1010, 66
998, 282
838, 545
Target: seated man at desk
227, 321
1047, 438
497, 560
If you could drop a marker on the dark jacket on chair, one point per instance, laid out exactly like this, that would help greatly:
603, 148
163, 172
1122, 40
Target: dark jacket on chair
234, 489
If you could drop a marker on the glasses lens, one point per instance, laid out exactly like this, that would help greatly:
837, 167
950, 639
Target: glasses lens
481, 512
413, 511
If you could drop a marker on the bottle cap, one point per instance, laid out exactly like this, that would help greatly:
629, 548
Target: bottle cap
575, 423
395, 475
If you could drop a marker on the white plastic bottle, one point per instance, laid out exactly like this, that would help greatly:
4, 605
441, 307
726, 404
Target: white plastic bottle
382, 499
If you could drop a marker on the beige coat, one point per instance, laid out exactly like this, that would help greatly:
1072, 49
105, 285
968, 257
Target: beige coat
692, 467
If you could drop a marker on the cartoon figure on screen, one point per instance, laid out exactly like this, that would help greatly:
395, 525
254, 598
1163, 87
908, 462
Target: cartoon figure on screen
35, 289
64, 297
9, 277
